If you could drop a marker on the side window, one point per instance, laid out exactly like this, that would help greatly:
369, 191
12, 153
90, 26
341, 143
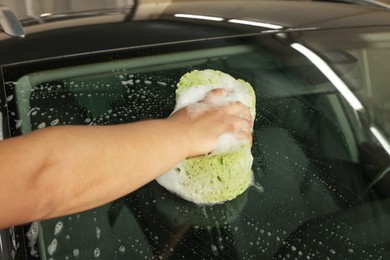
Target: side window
376, 92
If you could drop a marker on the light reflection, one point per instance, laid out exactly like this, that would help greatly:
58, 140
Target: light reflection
45, 14
199, 17
381, 139
259, 24
331, 75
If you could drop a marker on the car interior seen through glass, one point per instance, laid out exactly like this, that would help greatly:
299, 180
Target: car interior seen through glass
316, 191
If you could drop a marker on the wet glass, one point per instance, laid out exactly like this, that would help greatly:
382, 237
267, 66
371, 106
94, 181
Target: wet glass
320, 176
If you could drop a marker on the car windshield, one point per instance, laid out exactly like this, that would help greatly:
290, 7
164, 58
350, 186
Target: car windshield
321, 157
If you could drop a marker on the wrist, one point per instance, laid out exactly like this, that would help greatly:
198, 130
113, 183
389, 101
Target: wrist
181, 136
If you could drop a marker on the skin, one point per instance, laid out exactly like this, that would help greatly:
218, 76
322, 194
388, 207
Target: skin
62, 170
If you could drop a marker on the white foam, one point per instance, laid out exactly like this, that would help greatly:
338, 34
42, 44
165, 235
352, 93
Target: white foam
171, 180
234, 91
176, 180
32, 236
191, 95
197, 109
227, 142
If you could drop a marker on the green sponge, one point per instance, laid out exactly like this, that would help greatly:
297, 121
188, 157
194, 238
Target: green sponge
220, 176
218, 79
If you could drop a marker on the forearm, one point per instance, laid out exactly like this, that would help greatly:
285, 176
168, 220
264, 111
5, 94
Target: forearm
67, 169
115, 160
63, 170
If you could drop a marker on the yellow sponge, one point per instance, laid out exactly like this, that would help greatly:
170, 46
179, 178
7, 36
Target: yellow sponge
225, 173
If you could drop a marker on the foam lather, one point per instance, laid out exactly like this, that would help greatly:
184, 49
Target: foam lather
226, 172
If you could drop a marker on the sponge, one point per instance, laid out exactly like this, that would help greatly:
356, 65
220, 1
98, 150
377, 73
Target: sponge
226, 172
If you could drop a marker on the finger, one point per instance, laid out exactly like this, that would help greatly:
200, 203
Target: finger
242, 125
213, 94
241, 128
243, 134
217, 92
239, 110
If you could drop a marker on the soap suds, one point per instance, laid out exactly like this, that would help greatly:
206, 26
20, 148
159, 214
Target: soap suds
234, 90
226, 172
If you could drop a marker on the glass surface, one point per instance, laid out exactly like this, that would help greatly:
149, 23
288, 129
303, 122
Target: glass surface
363, 55
320, 186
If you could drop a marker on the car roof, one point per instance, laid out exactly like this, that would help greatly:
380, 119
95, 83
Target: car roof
292, 14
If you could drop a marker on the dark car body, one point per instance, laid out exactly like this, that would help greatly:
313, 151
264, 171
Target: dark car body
321, 135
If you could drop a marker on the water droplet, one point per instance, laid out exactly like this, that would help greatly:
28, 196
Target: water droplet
259, 187
18, 124
122, 249
76, 252
42, 125
52, 247
98, 232
127, 82
214, 249
58, 227
54, 122
96, 253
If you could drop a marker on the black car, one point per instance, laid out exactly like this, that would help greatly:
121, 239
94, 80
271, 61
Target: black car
321, 136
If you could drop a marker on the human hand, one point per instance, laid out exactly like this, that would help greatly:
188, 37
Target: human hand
203, 122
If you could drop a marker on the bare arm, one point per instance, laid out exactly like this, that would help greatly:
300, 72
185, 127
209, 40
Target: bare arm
67, 169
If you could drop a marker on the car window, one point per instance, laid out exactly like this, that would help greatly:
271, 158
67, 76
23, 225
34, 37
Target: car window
363, 57
320, 187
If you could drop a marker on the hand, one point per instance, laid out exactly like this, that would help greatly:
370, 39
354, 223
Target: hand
202, 123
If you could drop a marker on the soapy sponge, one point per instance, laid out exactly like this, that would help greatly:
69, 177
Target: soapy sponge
226, 172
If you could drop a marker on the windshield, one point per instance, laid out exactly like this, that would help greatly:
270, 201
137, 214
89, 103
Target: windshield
320, 187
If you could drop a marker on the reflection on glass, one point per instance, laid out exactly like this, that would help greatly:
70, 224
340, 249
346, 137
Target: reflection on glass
259, 24
381, 139
330, 74
199, 17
